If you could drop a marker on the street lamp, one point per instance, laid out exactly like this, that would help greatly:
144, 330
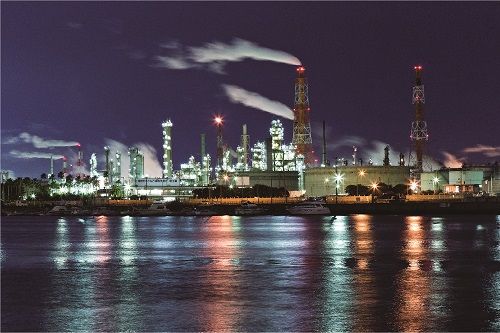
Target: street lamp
374, 187
362, 174
413, 185
435, 181
338, 178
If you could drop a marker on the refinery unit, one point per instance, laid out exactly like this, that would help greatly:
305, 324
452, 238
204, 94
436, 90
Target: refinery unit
276, 163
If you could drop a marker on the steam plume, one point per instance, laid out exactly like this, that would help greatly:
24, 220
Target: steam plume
486, 150
451, 161
39, 142
36, 154
152, 167
237, 51
254, 100
213, 56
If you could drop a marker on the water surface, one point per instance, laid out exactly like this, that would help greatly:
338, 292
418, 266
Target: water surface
266, 273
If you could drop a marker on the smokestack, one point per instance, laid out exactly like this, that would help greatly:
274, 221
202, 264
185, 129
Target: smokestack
65, 166
386, 156
354, 150
51, 165
245, 144
108, 169
204, 161
323, 158
167, 149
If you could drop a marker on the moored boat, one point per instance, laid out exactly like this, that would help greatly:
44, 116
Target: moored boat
248, 208
156, 209
309, 208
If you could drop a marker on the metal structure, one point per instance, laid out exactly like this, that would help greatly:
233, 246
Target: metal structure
418, 133
205, 162
167, 149
387, 162
136, 169
277, 134
117, 166
51, 166
79, 167
107, 172
218, 121
301, 124
245, 146
93, 165
324, 160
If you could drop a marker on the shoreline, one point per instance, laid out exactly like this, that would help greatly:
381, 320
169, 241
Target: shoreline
396, 208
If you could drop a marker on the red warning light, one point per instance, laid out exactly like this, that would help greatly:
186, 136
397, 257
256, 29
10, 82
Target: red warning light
300, 69
78, 145
218, 120
64, 158
418, 68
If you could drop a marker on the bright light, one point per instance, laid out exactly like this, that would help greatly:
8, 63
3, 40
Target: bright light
374, 186
362, 173
226, 178
413, 185
218, 120
326, 180
338, 177
435, 180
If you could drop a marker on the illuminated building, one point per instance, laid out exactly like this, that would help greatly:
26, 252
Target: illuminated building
136, 168
167, 148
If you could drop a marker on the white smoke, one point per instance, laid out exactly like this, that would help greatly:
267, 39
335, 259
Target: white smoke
35, 154
348, 141
173, 62
213, 56
237, 51
256, 101
452, 161
152, 167
486, 150
39, 142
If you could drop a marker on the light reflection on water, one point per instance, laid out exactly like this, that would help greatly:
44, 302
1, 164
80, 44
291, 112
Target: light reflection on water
224, 273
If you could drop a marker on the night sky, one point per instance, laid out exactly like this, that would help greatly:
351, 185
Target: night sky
87, 72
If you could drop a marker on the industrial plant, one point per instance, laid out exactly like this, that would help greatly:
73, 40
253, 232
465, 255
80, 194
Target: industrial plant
274, 163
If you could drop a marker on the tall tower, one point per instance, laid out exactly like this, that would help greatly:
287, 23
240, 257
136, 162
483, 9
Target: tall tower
117, 166
301, 124
418, 133
79, 169
51, 165
277, 134
107, 174
93, 165
218, 121
245, 145
167, 148
136, 169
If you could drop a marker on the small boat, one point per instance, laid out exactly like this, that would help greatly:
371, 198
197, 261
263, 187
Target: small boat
98, 211
248, 208
59, 210
309, 208
204, 211
156, 209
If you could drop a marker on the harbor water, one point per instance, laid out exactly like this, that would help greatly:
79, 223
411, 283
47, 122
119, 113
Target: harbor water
262, 273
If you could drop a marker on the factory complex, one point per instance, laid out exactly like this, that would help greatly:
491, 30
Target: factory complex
274, 163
